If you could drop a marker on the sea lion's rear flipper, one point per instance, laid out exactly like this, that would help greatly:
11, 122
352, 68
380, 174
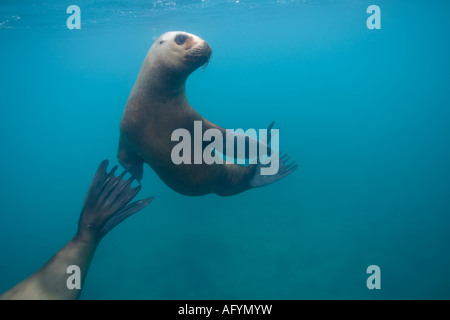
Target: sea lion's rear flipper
284, 169
130, 160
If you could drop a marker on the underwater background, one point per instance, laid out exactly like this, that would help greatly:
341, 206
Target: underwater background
365, 113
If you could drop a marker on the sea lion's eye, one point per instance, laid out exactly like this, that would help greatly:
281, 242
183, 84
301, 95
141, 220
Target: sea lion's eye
161, 42
180, 39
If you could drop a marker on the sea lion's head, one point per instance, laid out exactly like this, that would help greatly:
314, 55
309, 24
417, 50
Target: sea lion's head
179, 51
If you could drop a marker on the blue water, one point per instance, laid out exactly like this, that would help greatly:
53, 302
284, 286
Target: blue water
365, 113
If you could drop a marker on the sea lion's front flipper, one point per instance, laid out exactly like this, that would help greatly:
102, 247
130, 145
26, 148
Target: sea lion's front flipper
130, 160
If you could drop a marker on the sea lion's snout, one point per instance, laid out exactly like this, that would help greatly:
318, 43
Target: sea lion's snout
200, 53
208, 48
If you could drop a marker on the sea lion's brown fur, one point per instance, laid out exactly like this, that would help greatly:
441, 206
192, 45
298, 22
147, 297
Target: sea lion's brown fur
157, 106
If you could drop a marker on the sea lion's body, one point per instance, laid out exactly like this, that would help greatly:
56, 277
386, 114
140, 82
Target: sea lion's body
157, 106
188, 179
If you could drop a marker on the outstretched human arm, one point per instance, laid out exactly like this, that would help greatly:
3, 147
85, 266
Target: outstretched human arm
106, 205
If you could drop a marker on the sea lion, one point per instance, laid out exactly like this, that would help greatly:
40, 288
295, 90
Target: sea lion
157, 106
106, 205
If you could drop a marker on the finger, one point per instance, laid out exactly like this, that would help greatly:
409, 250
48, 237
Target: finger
126, 212
100, 174
102, 167
123, 175
118, 195
109, 186
106, 181
113, 171
97, 184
